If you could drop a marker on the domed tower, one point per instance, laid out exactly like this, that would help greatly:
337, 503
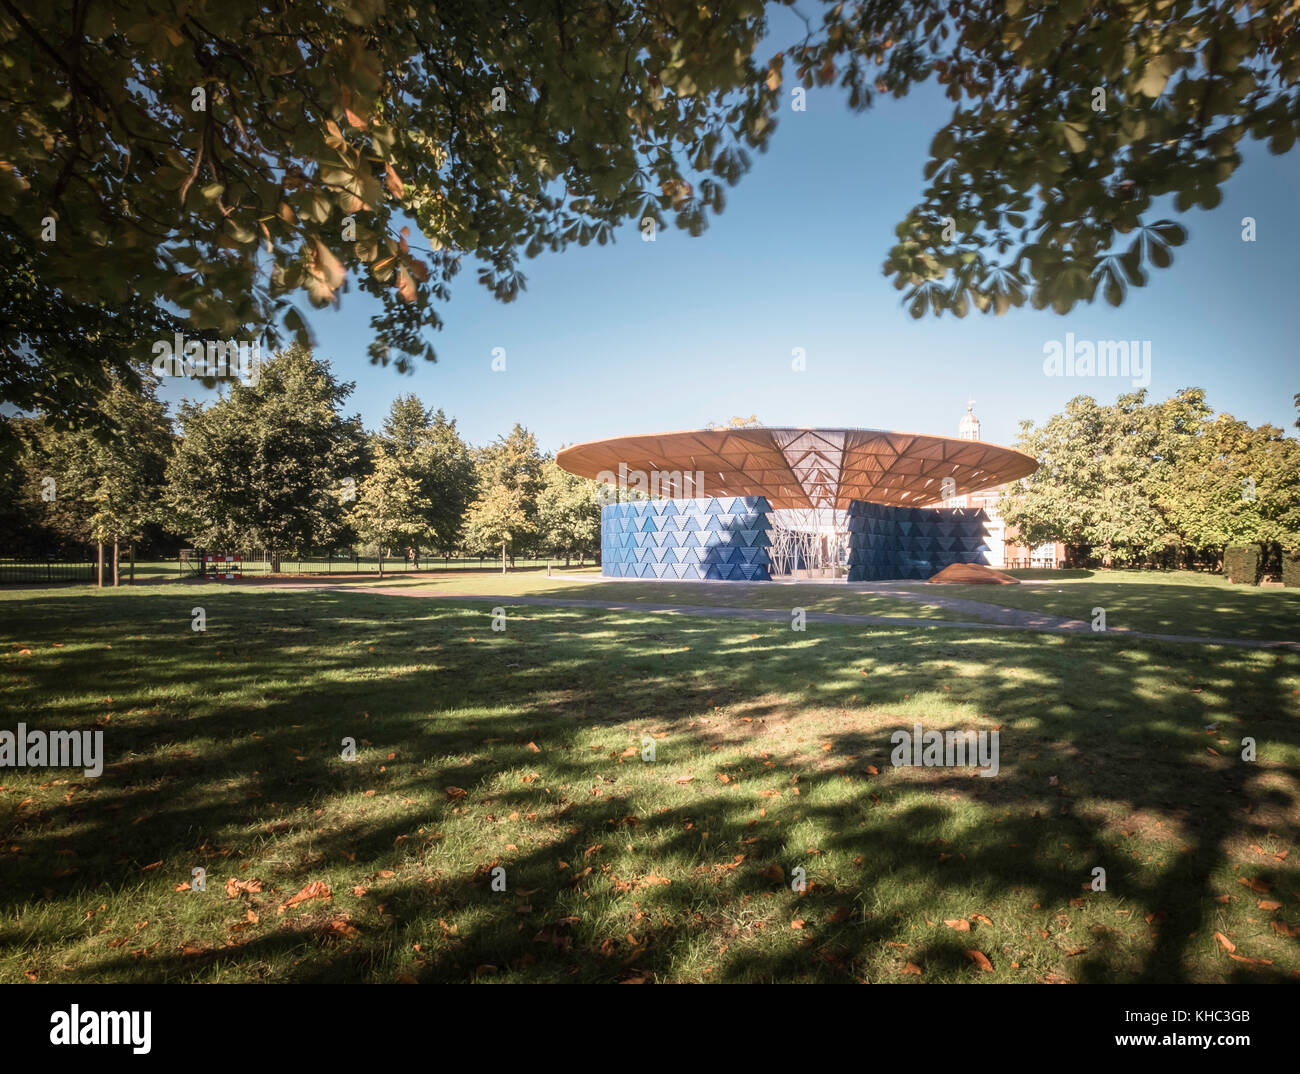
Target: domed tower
969, 427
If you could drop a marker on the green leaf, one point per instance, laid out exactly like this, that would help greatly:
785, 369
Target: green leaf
1156, 75
1114, 289
1169, 232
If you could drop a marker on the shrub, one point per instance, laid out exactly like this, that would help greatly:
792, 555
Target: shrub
1291, 568
1242, 563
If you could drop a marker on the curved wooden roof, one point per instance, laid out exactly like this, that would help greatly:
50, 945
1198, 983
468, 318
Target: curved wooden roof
803, 468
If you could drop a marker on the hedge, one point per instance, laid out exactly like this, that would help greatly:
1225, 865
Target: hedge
1291, 568
1242, 563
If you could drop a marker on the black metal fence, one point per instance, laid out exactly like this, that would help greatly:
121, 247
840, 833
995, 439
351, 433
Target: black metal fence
49, 570
359, 564
190, 565
258, 564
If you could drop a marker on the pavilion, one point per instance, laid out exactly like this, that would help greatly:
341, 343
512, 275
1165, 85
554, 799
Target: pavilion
753, 502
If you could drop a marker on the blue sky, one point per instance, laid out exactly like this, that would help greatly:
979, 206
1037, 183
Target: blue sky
650, 337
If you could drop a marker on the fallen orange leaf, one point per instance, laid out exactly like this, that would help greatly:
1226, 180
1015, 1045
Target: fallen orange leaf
234, 887
317, 889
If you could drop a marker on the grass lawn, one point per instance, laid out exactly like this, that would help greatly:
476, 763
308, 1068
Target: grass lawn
822, 598
166, 570
1174, 602
569, 584
1161, 602
522, 750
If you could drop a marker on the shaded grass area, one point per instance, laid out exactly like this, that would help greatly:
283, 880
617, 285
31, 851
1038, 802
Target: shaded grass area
522, 750
167, 570
1173, 602
822, 598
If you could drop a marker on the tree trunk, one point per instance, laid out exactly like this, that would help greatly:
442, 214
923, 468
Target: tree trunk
381, 561
117, 573
99, 573
503, 557
130, 578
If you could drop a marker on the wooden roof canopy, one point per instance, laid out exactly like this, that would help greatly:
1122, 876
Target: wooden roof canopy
804, 468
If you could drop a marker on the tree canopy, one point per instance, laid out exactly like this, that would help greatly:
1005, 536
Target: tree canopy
423, 475
1135, 480
1070, 121
568, 511
238, 159
240, 162
77, 487
267, 466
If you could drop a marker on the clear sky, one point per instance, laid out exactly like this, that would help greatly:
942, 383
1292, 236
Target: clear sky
651, 337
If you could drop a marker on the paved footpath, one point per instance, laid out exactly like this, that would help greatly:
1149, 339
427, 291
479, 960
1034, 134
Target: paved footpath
1006, 618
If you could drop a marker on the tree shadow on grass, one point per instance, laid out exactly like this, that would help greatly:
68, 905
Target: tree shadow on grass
221, 760
1158, 608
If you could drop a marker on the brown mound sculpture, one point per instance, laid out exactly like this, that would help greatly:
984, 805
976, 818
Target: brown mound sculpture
971, 574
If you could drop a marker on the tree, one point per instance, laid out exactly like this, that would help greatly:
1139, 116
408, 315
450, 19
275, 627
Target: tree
568, 512
513, 462
435, 466
105, 489
1071, 120
497, 518
1135, 481
448, 477
267, 466
407, 421
23, 515
391, 509
230, 160
1237, 485
1102, 474
736, 423
62, 358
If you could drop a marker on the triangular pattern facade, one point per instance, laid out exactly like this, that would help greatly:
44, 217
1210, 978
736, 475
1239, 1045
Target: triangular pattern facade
887, 543
706, 539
